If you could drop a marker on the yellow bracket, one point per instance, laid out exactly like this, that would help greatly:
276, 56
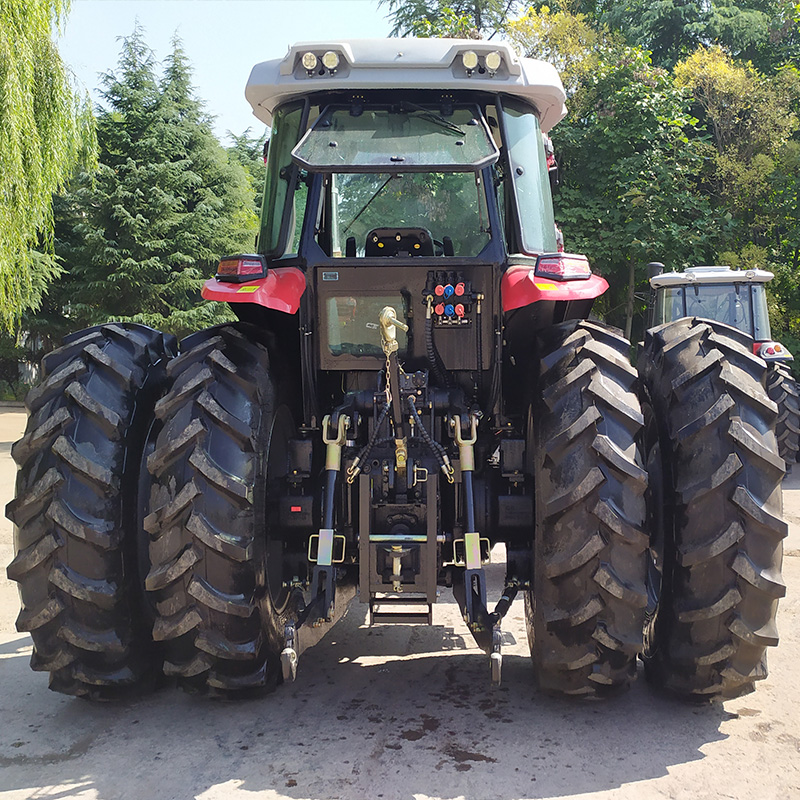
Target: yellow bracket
325, 542
473, 431
333, 455
471, 551
466, 454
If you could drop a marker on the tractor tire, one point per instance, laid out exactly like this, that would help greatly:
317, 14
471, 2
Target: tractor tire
585, 610
210, 581
715, 573
74, 512
784, 390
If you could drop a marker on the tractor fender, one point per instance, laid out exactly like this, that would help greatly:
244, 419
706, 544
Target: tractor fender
521, 287
280, 290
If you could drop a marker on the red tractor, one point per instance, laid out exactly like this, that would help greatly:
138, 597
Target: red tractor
413, 378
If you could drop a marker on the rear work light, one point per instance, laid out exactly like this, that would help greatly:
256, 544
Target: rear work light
238, 269
563, 267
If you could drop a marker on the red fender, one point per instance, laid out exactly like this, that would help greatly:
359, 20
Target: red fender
521, 287
281, 290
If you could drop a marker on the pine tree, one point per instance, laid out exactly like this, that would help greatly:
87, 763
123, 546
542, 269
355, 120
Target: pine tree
139, 237
250, 151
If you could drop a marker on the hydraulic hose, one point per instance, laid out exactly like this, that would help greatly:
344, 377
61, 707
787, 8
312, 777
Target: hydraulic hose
434, 359
439, 453
355, 467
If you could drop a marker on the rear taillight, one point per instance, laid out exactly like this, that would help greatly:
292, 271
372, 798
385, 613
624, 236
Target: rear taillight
563, 267
772, 351
238, 269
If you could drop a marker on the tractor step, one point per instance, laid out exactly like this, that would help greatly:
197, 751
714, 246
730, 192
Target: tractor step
400, 611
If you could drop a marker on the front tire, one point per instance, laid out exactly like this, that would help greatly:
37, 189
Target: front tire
720, 558
75, 537
586, 608
218, 610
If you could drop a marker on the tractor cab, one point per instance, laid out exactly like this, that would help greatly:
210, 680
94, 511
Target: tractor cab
735, 297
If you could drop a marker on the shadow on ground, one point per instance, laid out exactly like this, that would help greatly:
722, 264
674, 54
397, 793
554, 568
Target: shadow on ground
375, 713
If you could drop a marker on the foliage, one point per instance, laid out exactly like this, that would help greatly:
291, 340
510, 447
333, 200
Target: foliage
46, 128
752, 122
673, 29
11, 355
632, 165
138, 237
460, 19
567, 41
746, 110
250, 152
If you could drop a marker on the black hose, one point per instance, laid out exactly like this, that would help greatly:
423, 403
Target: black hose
365, 452
438, 451
494, 389
434, 359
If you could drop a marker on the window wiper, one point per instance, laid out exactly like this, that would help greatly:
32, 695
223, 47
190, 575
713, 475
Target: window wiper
430, 116
367, 204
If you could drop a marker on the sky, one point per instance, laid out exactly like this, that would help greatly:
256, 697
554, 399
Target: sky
222, 39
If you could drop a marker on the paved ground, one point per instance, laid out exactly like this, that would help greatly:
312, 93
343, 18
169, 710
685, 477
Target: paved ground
400, 714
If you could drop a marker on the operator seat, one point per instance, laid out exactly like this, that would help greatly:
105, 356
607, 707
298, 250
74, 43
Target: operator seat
398, 242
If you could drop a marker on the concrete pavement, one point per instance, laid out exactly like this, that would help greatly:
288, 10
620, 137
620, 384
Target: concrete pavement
400, 714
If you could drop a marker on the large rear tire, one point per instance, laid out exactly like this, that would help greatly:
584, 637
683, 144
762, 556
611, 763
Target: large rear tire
217, 596
784, 390
719, 560
586, 608
75, 537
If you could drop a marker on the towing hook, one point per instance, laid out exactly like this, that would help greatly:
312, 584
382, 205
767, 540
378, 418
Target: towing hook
389, 323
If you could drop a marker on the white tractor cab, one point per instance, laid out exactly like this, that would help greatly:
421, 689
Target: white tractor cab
733, 296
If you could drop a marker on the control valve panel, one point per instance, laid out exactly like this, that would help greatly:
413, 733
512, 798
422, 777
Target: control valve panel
451, 298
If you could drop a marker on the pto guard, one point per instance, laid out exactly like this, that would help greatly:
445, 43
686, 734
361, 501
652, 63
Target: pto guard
280, 290
521, 287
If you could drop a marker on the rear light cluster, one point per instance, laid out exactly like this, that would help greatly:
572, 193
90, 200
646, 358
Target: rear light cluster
773, 350
563, 267
242, 268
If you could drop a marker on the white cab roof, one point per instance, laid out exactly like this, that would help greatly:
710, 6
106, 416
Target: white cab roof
699, 275
406, 64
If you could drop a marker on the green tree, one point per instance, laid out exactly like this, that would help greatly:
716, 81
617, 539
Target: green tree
46, 129
751, 117
672, 29
571, 42
463, 19
250, 152
632, 162
139, 237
